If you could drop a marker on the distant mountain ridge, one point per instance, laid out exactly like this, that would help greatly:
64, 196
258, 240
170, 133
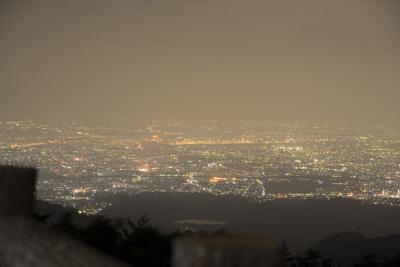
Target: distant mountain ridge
350, 247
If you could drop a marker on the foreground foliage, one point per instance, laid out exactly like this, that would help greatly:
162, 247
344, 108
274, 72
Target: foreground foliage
140, 244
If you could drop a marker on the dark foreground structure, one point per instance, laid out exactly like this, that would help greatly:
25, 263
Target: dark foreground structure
24, 242
226, 252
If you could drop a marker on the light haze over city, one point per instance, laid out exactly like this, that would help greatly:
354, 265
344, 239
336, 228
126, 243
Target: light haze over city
279, 61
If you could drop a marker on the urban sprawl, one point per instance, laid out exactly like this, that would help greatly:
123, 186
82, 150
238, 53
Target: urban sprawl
84, 164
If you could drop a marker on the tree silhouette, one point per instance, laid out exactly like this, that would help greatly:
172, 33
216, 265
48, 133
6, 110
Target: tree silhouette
67, 226
369, 260
285, 252
312, 258
103, 234
144, 245
134, 242
392, 262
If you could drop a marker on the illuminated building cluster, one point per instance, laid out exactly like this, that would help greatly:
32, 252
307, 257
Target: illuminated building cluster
82, 164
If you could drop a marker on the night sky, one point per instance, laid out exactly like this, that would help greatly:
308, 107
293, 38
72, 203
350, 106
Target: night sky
192, 60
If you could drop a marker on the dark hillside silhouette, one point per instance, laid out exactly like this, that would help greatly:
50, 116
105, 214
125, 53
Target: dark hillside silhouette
300, 222
140, 244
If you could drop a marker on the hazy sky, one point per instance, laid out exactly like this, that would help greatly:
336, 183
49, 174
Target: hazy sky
297, 60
